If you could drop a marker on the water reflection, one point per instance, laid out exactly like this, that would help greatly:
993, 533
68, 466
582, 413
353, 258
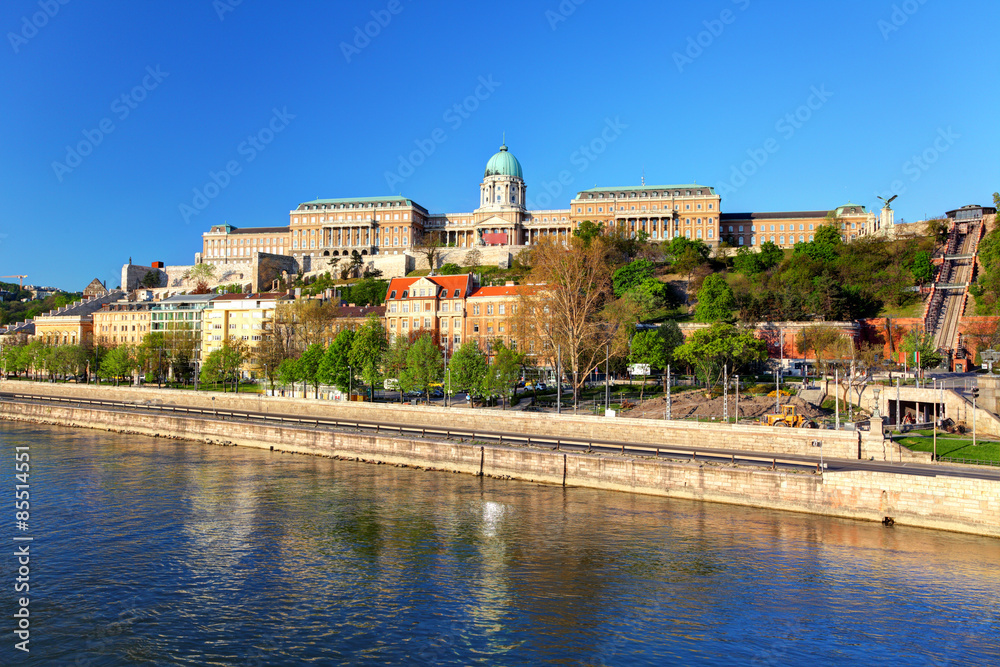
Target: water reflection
172, 552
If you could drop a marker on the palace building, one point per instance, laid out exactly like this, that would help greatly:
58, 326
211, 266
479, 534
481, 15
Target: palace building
786, 228
392, 225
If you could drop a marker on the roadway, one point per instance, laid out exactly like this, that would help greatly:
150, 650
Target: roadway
707, 454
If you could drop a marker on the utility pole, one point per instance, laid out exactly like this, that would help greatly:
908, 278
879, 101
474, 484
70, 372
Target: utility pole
669, 416
725, 392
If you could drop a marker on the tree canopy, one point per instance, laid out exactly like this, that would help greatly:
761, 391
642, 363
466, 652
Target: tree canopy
707, 351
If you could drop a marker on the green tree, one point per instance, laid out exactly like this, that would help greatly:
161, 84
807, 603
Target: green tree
424, 366
224, 365
365, 292
118, 363
468, 369
631, 275
923, 270
13, 358
648, 296
335, 367
914, 342
655, 347
200, 273
587, 231
70, 360
309, 365
823, 340
368, 351
715, 300
395, 360
707, 351
680, 246
289, 372
503, 374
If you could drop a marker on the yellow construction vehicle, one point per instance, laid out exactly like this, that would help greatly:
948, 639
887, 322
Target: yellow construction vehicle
788, 419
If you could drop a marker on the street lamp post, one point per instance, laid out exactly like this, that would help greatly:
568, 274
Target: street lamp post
559, 380
607, 378
836, 397
975, 395
350, 380
777, 393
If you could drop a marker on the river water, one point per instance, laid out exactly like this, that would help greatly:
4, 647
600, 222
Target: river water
151, 551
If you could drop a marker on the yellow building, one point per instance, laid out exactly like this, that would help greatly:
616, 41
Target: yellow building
239, 317
122, 323
72, 324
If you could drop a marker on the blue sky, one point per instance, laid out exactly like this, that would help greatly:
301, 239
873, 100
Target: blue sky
780, 105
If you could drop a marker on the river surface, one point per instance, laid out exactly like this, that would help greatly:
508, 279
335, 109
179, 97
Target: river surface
159, 552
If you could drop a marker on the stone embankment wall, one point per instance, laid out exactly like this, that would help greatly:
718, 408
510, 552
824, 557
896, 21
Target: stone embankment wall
947, 503
681, 434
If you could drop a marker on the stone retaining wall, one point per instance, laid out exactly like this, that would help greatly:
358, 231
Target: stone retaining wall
681, 434
947, 503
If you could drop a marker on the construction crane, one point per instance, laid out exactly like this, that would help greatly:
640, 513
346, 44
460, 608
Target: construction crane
20, 279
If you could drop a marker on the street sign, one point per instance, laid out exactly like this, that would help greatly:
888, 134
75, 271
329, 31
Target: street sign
639, 369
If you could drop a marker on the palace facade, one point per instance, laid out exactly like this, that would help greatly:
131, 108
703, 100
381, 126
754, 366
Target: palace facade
392, 225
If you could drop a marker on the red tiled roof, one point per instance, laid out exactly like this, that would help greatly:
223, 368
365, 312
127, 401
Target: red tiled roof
450, 283
505, 290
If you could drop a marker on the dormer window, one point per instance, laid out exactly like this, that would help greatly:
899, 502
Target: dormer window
457, 292
393, 295
405, 293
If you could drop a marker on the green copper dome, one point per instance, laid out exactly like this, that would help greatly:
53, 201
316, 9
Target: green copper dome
504, 164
